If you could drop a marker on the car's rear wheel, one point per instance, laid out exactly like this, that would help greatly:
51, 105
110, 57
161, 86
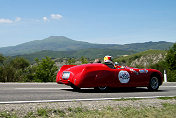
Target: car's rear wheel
154, 83
75, 88
102, 89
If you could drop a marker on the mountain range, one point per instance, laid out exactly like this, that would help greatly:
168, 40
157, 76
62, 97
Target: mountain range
64, 45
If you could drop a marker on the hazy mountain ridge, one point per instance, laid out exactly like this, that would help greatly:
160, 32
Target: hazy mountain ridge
88, 53
54, 43
161, 45
61, 43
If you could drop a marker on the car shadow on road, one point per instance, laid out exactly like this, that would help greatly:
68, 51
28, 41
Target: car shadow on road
114, 90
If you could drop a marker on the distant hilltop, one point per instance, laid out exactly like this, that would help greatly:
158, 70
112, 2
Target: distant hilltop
62, 43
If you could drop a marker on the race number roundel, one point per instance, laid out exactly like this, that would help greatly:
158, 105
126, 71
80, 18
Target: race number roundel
124, 77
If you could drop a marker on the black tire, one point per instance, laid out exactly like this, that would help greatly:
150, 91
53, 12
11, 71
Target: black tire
154, 83
101, 89
75, 88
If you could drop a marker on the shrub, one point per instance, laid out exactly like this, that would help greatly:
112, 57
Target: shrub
45, 70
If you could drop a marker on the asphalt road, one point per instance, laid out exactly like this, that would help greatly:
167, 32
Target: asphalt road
51, 91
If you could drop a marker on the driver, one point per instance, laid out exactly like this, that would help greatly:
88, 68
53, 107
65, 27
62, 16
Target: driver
108, 61
116, 65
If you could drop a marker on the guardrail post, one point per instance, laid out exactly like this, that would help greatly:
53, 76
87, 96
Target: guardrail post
165, 76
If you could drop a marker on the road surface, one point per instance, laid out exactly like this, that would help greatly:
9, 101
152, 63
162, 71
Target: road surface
10, 92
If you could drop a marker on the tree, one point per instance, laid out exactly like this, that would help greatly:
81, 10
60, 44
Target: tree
171, 64
83, 60
19, 63
29, 74
71, 61
171, 58
45, 70
2, 58
12, 70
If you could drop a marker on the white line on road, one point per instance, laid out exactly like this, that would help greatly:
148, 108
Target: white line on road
47, 88
168, 86
42, 88
74, 100
72, 88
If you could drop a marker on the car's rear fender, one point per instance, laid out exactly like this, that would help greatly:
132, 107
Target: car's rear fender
93, 77
60, 71
76, 75
64, 67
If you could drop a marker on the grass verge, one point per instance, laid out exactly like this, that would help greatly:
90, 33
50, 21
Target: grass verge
126, 99
133, 99
167, 98
166, 111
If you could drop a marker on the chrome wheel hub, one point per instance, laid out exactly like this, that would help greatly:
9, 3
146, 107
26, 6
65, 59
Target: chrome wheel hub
154, 83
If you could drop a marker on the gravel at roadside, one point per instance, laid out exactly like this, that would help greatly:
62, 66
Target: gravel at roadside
22, 109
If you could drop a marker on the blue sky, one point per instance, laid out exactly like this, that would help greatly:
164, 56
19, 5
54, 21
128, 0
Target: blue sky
94, 21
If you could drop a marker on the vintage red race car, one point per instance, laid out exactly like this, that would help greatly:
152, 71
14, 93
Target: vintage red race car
101, 77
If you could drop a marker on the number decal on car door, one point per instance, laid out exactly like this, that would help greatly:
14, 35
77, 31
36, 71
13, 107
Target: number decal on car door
124, 77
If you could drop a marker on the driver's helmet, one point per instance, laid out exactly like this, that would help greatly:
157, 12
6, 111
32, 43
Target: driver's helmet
108, 59
116, 63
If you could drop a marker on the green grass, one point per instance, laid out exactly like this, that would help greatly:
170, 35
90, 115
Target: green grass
167, 98
133, 99
126, 99
165, 111
7, 114
42, 112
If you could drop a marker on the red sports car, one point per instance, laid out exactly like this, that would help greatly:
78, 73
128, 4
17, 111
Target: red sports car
101, 77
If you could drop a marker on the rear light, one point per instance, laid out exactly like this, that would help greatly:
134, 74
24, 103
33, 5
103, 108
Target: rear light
65, 75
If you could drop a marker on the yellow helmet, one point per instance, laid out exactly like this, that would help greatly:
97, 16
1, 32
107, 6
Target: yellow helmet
108, 59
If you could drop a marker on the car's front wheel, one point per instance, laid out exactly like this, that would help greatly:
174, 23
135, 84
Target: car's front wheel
154, 83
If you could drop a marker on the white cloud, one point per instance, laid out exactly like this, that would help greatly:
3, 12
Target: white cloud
2, 20
17, 19
56, 16
45, 19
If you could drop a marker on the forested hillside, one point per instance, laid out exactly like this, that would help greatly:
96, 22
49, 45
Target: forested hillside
88, 53
42, 66
154, 59
61, 43
19, 69
142, 59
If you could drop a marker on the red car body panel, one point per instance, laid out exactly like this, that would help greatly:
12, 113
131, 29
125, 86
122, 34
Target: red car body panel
100, 75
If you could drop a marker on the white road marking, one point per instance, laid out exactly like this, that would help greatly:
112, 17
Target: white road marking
47, 88
41, 88
72, 88
168, 86
74, 100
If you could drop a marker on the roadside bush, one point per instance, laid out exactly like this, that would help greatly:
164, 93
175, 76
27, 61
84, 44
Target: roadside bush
2, 58
171, 58
161, 66
171, 75
169, 64
84, 60
29, 74
71, 61
11, 70
20, 70
45, 70
19, 63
